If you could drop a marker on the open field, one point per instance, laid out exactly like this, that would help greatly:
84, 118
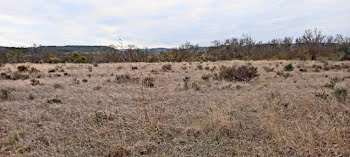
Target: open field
145, 109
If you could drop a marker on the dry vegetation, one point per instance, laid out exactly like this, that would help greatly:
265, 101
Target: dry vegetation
228, 108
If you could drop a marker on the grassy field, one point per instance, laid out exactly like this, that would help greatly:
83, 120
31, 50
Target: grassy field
181, 109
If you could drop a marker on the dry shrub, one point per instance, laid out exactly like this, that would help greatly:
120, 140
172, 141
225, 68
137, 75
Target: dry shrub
34, 82
193, 132
148, 82
331, 84
118, 151
283, 74
200, 67
58, 86
243, 73
90, 68
34, 70
19, 76
323, 95
119, 67
268, 69
31, 96
289, 67
341, 94
5, 93
5, 76
22, 68
102, 117
76, 81
51, 71
206, 77
122, 78
54, 101
166, 67
186, 81
97, 88
195, 86
145, 148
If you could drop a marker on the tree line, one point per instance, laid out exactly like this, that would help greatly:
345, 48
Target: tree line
312, 45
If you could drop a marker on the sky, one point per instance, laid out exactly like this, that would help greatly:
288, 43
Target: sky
164, 23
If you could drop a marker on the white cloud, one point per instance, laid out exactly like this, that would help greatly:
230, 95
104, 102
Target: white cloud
164, 22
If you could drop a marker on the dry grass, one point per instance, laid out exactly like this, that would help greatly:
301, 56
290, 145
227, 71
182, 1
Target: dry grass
113, 113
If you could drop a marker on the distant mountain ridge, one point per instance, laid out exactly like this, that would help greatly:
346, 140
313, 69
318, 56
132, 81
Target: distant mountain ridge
83, 48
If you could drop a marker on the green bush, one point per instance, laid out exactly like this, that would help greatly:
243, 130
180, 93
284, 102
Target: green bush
344, 51
200, 67
16, 55
5, 94
341, 93
54, 60
75, 57
289, 67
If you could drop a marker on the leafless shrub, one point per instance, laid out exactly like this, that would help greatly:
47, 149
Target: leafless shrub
323, 95
97, 88
90, 68
52, 71
148, 82
341, 94
84, 80
122, 78
102, 117
195, 86
19, 76
186, 81
22, 68
166, 67
206, 77
118, 151
289, 67
268, 69
54, 101
119, 67
200, 67
5, 93
243, 73
76, 81
283, 74
31, 96
34, 82
58, 86
57, 75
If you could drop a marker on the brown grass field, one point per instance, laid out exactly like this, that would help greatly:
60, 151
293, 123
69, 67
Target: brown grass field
113, 110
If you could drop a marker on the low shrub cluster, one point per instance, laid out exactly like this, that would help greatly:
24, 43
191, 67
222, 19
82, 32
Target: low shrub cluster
148, 82
166, 67
122, 78
243, 73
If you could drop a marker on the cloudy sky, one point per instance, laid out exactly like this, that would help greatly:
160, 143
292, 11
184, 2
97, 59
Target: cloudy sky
164, 23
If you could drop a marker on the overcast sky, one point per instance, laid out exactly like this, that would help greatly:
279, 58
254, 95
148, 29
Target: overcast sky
164, 23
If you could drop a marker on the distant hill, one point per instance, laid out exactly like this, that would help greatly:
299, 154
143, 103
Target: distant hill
70, 48
83, 48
